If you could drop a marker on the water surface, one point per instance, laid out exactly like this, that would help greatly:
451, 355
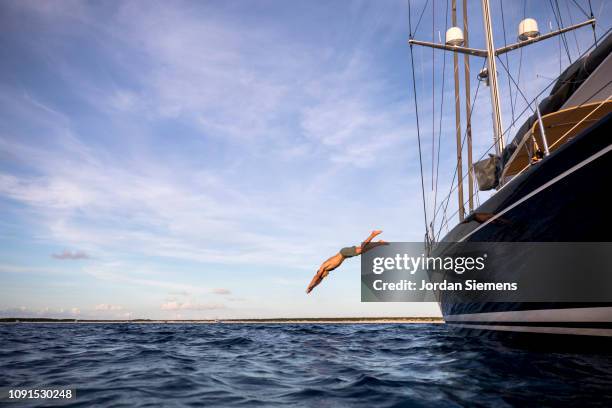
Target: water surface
322, 365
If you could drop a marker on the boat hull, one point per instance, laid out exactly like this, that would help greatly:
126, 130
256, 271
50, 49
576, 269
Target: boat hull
564, 198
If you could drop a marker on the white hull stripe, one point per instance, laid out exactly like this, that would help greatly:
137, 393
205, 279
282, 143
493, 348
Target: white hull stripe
578, 314
540, 189
535, 329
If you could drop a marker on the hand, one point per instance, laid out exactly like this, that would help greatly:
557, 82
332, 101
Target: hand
376, 232
321, 273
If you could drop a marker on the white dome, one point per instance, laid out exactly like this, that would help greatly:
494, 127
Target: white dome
528, 28
454, 36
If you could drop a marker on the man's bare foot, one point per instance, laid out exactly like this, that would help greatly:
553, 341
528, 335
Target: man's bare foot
376, 232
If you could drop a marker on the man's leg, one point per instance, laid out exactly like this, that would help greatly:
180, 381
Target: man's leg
372, 235
364, 244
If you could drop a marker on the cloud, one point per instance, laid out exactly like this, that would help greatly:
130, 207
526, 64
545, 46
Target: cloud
244, 210
107, 307
180, 293
12, 268
71, 255
221, 291
116, 273
174, 306
46, 312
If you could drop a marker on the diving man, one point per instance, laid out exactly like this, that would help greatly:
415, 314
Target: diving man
347, 252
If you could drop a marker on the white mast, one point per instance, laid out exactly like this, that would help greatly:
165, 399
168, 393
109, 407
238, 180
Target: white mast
497, 118
458, 122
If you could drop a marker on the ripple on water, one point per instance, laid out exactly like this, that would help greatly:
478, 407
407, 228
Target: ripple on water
298, 365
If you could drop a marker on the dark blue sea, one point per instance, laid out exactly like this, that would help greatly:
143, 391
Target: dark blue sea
325, 365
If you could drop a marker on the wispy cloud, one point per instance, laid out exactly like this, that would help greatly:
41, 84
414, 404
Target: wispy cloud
175, 306
105, 307
71, 255
46, 312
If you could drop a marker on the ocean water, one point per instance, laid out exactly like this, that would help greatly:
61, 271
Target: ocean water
314, 365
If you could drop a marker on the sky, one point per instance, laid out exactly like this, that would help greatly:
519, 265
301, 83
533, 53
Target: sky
200, 160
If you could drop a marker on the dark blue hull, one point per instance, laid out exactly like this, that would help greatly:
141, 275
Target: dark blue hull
564, 198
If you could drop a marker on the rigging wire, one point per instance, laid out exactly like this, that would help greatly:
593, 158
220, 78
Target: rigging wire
563, 136
569, 13
520, 64
433, 94
599, 27
580, 8
420, 17
560, 26
593, 26
551, 83
440, 120
515, 84
490, 147
444, 213
416, 107
461, 147
501, 3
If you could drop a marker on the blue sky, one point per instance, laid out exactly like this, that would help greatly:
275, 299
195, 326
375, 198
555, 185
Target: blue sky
201, 159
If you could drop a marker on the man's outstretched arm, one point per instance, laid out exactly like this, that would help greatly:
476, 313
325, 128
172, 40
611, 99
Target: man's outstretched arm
316, 279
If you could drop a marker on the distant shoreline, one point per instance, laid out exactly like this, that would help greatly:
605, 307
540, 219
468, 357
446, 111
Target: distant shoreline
323, 320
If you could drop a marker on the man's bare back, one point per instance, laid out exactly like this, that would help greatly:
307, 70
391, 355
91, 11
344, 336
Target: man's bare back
336, 260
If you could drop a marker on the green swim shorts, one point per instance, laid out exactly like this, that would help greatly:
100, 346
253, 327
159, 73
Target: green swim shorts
348, 252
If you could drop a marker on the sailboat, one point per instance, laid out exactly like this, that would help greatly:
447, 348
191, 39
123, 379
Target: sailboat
550, 181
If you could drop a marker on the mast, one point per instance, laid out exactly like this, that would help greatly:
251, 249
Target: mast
457, 43
492, 68
458, 121
468, 110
